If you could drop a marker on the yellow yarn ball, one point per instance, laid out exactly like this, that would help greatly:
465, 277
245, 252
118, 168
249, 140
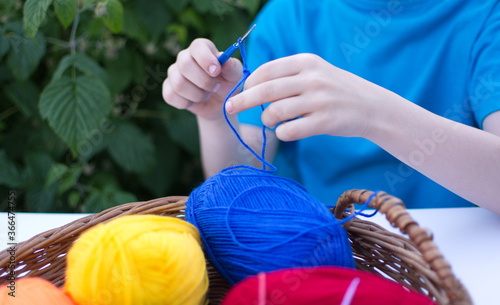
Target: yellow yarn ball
138, 259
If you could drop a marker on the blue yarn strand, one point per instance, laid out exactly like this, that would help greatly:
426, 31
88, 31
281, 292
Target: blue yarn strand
246, 74
362, 208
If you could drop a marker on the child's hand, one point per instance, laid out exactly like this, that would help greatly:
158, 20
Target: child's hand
316, 96
197, 82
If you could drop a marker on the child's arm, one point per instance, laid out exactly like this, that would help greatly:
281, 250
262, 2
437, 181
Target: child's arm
464, 159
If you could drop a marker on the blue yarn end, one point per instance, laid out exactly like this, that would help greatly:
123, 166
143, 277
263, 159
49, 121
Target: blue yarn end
251, 221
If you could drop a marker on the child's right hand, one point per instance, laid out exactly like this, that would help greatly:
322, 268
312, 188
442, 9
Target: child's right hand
197, 82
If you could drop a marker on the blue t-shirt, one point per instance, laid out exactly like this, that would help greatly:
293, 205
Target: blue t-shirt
441, 55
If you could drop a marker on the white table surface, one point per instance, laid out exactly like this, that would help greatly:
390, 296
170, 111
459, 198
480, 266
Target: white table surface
469, 238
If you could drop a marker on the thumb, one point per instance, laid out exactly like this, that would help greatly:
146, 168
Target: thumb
232, 70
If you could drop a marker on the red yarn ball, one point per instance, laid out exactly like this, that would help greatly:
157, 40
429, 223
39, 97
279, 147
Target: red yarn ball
322, 286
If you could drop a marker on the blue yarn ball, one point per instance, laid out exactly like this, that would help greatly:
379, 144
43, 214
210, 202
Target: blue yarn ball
251, 221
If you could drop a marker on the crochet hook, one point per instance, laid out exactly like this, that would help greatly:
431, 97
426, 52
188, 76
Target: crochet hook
230, 51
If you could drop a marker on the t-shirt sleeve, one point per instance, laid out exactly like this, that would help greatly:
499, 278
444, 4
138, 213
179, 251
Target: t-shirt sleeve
484, 90
266, 42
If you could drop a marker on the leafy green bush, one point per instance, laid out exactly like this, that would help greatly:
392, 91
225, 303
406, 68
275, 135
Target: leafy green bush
83, 126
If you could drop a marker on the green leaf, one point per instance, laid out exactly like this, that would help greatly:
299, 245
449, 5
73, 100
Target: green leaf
97, 30
41, 199
131, 148
34, 12
83, 64
154, 15
4, 43
38, 165
66, 176
7, 5
161, 177
65, 11
25, 53
75, 108
5, 74
220, 8
204, 6
139, 69
252, 6
113, 19
183, 129
120, 69
179, 31
177, 5
90, 2
24, 96
56, 172
89, 149
101, 179
43, 138
15, 139
10, 175
190, 17
109, 197
133, 27
73, 199
69, 179
97, 141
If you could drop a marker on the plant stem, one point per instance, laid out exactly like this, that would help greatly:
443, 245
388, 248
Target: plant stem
72, 37
60, 43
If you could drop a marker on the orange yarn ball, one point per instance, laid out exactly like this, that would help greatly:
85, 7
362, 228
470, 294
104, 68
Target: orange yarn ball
33, 291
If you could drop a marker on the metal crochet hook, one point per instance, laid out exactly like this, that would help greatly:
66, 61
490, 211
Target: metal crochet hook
230, 51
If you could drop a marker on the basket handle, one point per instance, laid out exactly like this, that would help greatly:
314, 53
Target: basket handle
397, 215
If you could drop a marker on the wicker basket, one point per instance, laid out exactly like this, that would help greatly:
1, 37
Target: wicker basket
415, 262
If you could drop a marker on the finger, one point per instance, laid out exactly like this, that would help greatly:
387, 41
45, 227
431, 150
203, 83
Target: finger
183, 87
190, 69
232, 70
294, 130
173, 98
285, 110
263, 93
205, 53
279, 68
